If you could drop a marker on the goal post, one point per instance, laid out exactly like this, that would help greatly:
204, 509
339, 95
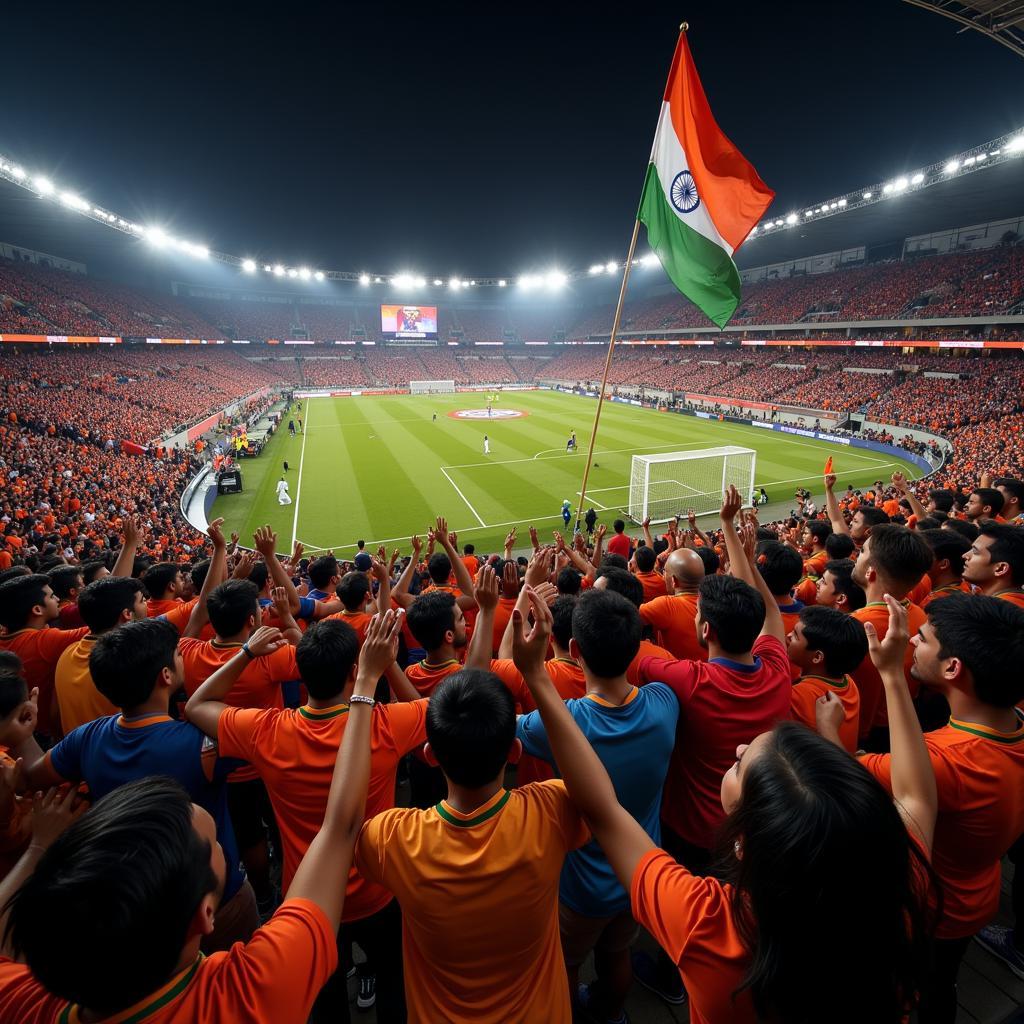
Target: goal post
665, 485
431, 387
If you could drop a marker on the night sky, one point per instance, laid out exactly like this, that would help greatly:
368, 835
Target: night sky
448, 143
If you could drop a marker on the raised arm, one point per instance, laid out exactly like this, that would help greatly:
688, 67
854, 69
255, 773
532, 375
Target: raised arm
621, 838
214, 577
322, 875
510, 543
462, 577
913, 779
835, 515
691, 519
383, 578
646, 527
206, 705
266, 544
131, 533
478, 654
401, 594
289, 627
899, 481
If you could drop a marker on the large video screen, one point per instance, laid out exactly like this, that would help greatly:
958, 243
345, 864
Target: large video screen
408, 321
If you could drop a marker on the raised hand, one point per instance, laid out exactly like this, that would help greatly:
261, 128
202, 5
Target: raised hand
540, 566
417, 547
453, 539
267, 639
214, 532
601, 530
378, 568
510, 579
828, 714
547, 592
297, 550
534, 539
382, 553
691, 518
830, 481
731, 504
530, 649
887, 655
441, 531
510, 538
243, 567
899, 481
53, 812
485, 588
646, 524
131, 531
559, 540
380, 647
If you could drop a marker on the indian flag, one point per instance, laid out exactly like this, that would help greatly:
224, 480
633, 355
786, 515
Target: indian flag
701, 196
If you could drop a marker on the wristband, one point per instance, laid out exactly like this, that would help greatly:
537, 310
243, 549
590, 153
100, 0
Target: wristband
247, 652
358, 698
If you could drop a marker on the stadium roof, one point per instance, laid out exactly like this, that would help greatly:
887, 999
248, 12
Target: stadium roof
994, 193
1001, 20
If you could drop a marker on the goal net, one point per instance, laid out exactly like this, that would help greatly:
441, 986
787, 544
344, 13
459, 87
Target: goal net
666, 485
431, 387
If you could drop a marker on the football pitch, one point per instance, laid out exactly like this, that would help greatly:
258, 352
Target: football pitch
381, 468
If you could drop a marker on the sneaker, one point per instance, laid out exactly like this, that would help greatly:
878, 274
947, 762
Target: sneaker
999, 941
647, 972
367, 992
583, 998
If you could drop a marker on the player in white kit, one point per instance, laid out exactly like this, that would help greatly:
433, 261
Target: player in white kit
487, 445
282, 492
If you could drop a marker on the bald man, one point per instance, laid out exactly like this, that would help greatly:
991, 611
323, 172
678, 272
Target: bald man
674, 616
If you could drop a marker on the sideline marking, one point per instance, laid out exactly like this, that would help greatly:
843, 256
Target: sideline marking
464, 498
298, 486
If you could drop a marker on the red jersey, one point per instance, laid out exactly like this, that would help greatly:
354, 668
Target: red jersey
40, 650
723, 703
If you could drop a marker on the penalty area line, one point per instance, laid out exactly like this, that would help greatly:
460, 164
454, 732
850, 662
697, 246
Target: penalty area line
458, 491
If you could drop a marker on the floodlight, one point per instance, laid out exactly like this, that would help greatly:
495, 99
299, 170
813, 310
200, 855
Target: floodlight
867, 195
44, 186
438, 282
156, 236
995, 152
473, 284
611, 266
887, 188
278, 270
900, 183
555, 279
596, 268
18, 172
982, 156
791, 219
249, 266
364, 279
304, 273
455, 284
753, 230
292, 272
917, 179
650, 259
969, 161
526, 281
842, 203
378, 280
808, 213
502, 283
75, 202
267, 267
952, 167
201, 251
319, 275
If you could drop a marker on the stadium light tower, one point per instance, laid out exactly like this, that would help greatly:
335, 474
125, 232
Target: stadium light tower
364, 279
249, 266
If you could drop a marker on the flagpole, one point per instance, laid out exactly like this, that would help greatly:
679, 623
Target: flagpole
607, 367
611, 348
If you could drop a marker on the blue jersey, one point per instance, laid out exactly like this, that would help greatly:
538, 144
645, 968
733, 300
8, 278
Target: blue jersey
109, 752
307, 607
634, 741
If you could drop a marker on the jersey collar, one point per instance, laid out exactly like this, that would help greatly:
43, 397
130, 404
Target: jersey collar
1017, 736
476, 817
321, 714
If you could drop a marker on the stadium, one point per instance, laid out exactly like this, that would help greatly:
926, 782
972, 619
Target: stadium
336, 477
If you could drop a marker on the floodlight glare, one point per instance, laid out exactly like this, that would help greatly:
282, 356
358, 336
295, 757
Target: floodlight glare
525, 281
982, 156
900, 183
438, 282
969, 161
378, 280
18, 172
611, 266
808, 213
502, 283
753, 230
555, 279
952, 167
364, 279
292, 272
304, 273
596, 268
267, 267
75, 202
201, 251
455, 284
650, 259
43, 186
472, 284
867, 195
156, 236
791, 219
842, 202
319, 275
278, 270
917, 179
421, 282
249, 266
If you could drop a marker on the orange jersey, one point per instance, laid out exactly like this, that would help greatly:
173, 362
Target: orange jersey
78, 700
359, 621
294, 753
40, 650
953, 588
653, 584
806, 591
254, 983
980, 778
815, 565
806, 692
565, 673
674, 616
155, 606
425, 676
921, 591
692, 920
479, 898
869, 682
1013, 596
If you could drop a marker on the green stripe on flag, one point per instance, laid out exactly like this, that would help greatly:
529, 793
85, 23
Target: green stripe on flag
703, 271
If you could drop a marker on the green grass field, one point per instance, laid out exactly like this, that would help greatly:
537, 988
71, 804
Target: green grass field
380, 469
